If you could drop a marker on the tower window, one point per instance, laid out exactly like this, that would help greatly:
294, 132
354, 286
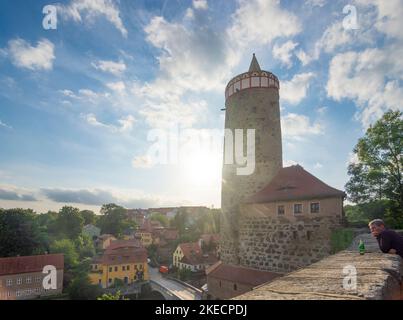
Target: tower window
297, 208
315, 208
295, 235
235, 287
309, 235
280, 210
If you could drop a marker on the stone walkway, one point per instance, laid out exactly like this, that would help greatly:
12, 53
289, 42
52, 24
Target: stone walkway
378, 277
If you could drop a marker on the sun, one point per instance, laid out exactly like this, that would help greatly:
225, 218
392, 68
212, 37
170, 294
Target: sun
202, 168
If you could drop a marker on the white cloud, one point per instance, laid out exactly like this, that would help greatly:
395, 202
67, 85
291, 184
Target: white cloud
289, 163
85, 95
196, 58
143, 162
24, 55
295, 90
126, 123
284, 52
316, 3
322, 110
200, 4
295, 126
4, 125
88, 10
370, 78
303, 57
118, 87
389, 16
262, 21
189, 14
116, 68
318, 165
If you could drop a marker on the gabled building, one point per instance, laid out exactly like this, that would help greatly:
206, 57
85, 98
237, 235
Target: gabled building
21, 278
189, 256
124, 261
104, 240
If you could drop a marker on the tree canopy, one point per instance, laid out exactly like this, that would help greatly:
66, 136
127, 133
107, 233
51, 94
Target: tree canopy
377, 175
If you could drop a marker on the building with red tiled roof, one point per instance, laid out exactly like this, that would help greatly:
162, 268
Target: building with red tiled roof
228, 281
124, 261
117, 244
21, 278
294, 183
190, 256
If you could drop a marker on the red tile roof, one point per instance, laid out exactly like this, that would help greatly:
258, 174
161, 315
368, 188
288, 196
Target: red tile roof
28, 264
294, 183
239, 274
188, 248
192, 253
117, 244
170, 234
125, 255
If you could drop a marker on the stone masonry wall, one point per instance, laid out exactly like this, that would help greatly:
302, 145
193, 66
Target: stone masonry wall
283, 245
259, 109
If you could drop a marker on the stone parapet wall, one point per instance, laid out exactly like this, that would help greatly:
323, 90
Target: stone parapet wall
378, 277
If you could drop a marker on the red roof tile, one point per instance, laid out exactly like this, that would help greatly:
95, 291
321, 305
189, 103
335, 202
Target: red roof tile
117, 244
294, 183
125, 255
239, 274
27, 264
170, 234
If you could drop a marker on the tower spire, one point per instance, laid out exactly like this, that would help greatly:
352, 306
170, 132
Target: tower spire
254, 65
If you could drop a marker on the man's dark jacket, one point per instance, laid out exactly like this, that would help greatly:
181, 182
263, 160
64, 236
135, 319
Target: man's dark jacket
389, 239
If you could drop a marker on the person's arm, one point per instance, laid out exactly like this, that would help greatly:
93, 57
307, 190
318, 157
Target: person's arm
385, 242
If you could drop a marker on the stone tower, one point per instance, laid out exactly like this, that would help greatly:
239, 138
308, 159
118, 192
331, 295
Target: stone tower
252, 102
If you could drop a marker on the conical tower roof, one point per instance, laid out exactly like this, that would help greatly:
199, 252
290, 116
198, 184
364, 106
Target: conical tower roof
254, 65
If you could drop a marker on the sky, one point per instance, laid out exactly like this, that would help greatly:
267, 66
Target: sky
83, 103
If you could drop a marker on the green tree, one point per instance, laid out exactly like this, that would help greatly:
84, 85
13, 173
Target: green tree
159, 217
68, 248
69, 223
85, 246
88, 216
20, 234
378, 174
113, 220
110, 296
81, 288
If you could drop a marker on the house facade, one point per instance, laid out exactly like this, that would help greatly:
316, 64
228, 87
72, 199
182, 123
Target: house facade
123, 261
22, 278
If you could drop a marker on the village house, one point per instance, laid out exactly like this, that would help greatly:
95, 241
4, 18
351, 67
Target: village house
104, 240
189, 256
21, 278
123, 260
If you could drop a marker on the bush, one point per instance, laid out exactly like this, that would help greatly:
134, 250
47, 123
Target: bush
341, 239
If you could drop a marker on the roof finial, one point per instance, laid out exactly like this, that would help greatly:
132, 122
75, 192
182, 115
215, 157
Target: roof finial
254, 65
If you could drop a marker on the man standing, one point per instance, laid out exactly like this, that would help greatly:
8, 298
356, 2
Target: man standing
389, 241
